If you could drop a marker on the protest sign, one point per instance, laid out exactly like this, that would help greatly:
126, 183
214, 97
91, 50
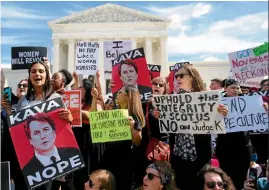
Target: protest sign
255, 82
72, 100
192, 113
132, 73
22, 57
154, 71
44, 143
260, 49
5, 176
245, 65
109, 126
173, 84
112, 50
245, 113
87, 54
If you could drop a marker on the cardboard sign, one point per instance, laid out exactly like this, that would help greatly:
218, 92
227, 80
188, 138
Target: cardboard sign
112, 50
154, 71
5, 176
72, 100
87, 56
133, 75
45, 144
173, 84
245, 113
109, 126
22, 57
245, 65
190, 113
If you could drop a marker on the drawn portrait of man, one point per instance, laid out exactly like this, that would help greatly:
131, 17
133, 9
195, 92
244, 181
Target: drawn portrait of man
40, 131
128, 72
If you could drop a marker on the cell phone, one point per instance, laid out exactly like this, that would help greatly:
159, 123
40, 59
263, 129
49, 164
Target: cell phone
253, 174
7, 93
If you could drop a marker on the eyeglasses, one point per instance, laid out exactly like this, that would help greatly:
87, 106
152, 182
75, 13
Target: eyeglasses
181, 75
156, 84
211, 185
151, 176
22, 85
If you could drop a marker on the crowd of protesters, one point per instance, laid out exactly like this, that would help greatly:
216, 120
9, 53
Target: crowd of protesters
123, 165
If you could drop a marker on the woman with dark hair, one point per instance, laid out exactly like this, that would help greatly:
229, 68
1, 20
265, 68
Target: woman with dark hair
189, 153
265, 84
120, 157
60, 80
39, 90
89, 96
212, 178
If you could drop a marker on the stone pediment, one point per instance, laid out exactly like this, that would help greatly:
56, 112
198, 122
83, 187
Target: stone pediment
108, 13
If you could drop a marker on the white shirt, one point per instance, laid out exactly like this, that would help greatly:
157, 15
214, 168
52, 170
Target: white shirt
46, 160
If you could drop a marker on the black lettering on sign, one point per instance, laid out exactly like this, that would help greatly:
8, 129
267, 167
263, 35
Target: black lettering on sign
48, 106
134, 54
156, 68
86, 67
238, 105
116, 43
87, 44
179, 65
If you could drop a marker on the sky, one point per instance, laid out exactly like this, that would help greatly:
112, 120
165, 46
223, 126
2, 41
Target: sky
199, 31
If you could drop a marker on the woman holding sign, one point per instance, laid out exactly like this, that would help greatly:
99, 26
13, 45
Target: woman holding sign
39, 90
121, 157
189, 153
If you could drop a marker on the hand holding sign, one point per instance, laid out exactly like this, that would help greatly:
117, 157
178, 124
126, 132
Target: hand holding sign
6, 104
65, 114
265, 105
222, 109
156, 113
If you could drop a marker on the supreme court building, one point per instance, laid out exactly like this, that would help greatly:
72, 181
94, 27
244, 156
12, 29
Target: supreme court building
105, 23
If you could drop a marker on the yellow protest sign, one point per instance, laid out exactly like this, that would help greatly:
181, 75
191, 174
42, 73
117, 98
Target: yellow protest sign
109, 126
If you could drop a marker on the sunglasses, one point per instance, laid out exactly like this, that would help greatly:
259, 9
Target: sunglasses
181, 75
151, 176
156, 84
22, 85
211, 185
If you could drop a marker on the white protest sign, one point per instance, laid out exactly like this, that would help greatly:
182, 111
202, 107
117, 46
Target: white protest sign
245, 65
255, 82
192, 113
113, 49
87, 54
245, 113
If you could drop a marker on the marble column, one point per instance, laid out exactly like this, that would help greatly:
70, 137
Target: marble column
164, 57
56, 55
149, 50
71, 55
134, 43
101, 65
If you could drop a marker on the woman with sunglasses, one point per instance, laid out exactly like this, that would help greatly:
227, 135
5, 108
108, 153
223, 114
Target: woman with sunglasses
212, 178
121, 157
102, 180
189, 153
159, 176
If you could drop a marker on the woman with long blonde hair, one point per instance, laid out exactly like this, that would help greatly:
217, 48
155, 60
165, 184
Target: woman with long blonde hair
121, 157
